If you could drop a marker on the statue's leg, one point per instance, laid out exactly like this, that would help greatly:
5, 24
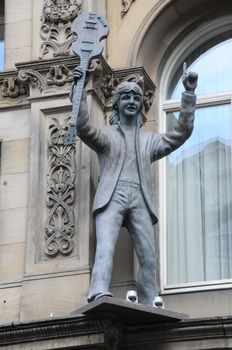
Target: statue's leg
108, 224
142, 232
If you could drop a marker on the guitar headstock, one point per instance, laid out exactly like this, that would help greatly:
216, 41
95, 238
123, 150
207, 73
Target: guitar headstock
90, 29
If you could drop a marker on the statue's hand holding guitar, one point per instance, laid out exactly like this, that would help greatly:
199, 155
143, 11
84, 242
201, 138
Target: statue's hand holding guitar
77, 75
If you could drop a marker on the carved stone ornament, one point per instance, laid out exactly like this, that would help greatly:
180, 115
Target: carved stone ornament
56, 26
23, 80
61, 172
13, 88
59, 75
126, 4
104, 82
33, 78
19, 84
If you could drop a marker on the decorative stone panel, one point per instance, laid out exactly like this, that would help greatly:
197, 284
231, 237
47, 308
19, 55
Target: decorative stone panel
60, 192
55, 29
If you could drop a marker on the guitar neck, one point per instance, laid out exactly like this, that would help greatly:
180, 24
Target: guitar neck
79, 88
90, 29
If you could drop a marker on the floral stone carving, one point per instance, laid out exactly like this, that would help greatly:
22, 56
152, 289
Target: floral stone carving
56, 26
59, 229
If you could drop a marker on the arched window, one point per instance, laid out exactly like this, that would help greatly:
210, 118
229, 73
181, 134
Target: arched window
197, 211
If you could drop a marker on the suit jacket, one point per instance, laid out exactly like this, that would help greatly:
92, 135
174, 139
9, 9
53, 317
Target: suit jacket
109, 144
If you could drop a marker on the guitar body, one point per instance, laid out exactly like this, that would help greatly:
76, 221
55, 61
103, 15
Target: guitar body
90, 29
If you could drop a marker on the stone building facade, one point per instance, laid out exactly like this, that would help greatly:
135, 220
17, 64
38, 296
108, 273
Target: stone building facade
47, 236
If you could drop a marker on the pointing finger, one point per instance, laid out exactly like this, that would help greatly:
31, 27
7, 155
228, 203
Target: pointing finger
184, 68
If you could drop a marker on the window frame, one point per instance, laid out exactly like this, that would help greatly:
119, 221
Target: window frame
183, 50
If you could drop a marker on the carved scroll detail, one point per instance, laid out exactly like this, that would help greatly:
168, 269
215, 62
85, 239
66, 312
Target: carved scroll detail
56, 26
19, 84
33, 77
126, 4
59, 228
24, 79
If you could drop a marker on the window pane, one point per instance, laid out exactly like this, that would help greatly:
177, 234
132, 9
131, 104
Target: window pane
1, 55
214, 69
199, 200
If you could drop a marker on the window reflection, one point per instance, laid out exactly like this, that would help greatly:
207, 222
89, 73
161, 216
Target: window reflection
1, 55
214, 68
199, 200
211, 123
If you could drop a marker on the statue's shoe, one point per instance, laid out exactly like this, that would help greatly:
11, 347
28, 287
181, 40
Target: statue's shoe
99, 295
158, 302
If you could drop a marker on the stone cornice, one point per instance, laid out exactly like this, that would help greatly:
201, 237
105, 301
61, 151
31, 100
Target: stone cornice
193, 330
25, 332
40, 79
215, 329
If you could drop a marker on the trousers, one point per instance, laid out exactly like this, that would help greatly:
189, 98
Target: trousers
126, 207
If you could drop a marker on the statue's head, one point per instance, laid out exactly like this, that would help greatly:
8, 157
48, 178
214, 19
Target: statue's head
123, 88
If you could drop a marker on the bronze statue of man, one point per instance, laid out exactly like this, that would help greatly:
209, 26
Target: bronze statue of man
124, 194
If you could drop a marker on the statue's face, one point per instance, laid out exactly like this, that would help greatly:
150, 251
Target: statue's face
129, 104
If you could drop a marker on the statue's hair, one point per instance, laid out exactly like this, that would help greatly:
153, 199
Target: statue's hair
121, 89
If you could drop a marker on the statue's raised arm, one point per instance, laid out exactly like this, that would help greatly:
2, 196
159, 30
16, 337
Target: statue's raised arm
165, 143
88, 133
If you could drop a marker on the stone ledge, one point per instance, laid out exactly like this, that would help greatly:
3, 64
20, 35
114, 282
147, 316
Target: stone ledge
102, 329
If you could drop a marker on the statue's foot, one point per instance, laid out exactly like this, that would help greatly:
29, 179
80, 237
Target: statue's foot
158, 302
99, 295
132, 296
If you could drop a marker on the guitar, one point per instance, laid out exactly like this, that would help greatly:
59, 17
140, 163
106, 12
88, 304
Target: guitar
90, 29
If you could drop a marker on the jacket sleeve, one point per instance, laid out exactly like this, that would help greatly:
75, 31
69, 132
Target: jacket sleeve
92, 136
163, 144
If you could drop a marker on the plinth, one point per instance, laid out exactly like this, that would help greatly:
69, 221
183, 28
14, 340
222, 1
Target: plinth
128, 313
